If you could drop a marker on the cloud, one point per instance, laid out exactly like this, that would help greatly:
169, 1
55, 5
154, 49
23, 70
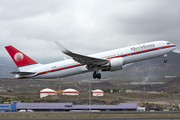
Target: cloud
85, 27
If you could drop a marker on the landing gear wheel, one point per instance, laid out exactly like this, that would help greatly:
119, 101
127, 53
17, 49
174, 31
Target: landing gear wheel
99, 76
95, 75
165, 61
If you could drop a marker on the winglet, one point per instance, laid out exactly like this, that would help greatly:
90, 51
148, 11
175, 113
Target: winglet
62, 48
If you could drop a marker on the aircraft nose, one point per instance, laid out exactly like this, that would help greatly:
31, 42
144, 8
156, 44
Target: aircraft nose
174, 46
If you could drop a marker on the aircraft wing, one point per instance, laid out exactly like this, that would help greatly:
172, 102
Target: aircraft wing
84, 60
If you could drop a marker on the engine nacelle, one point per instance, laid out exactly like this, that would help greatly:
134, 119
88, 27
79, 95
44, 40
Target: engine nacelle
114, 65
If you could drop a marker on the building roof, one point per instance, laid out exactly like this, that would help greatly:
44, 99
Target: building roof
43, 105
97, 90
70, 91
70, 106
47, 90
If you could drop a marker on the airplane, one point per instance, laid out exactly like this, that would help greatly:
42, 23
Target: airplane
105, 61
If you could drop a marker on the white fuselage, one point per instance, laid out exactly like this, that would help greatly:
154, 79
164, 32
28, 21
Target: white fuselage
128, 54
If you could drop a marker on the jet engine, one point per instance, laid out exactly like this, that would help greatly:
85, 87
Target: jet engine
114, 65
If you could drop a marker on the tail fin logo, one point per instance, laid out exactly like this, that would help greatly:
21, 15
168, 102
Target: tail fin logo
18, 57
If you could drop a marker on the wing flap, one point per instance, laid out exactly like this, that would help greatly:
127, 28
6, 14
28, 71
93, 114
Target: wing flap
82, 58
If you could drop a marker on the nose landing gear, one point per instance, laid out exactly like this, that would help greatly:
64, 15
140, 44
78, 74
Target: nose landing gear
165, 61
165, 56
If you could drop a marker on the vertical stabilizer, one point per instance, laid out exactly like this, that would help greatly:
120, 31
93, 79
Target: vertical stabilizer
20, 59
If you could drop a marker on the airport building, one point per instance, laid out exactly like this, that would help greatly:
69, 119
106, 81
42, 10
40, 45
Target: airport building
7, 107
47, 92
70, 92
17, 105
98, 92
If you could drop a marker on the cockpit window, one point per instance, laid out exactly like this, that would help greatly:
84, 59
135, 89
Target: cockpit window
168, 43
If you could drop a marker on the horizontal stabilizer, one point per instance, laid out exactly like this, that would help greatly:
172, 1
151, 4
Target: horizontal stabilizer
23, 73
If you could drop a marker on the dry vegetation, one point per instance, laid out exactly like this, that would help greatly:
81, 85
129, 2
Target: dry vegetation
28, 91
88, 115
148, 100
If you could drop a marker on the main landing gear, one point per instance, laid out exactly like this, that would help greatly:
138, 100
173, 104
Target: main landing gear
165, 56
96, 75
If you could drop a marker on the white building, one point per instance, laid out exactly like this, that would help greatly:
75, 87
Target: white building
45, 92
98, 92
141, 108
70, 92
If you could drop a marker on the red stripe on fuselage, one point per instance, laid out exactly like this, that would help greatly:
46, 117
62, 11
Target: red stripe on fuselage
148, 50
57, 69
133, 53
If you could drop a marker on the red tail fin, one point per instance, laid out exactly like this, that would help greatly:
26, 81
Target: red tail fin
18, 57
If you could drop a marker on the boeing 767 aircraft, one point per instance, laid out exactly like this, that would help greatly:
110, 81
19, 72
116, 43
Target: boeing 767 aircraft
106, 61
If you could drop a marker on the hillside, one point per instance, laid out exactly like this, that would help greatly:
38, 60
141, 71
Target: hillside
6, 67
172, 86
148, 70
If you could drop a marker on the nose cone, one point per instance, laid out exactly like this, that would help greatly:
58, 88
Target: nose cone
173, 46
